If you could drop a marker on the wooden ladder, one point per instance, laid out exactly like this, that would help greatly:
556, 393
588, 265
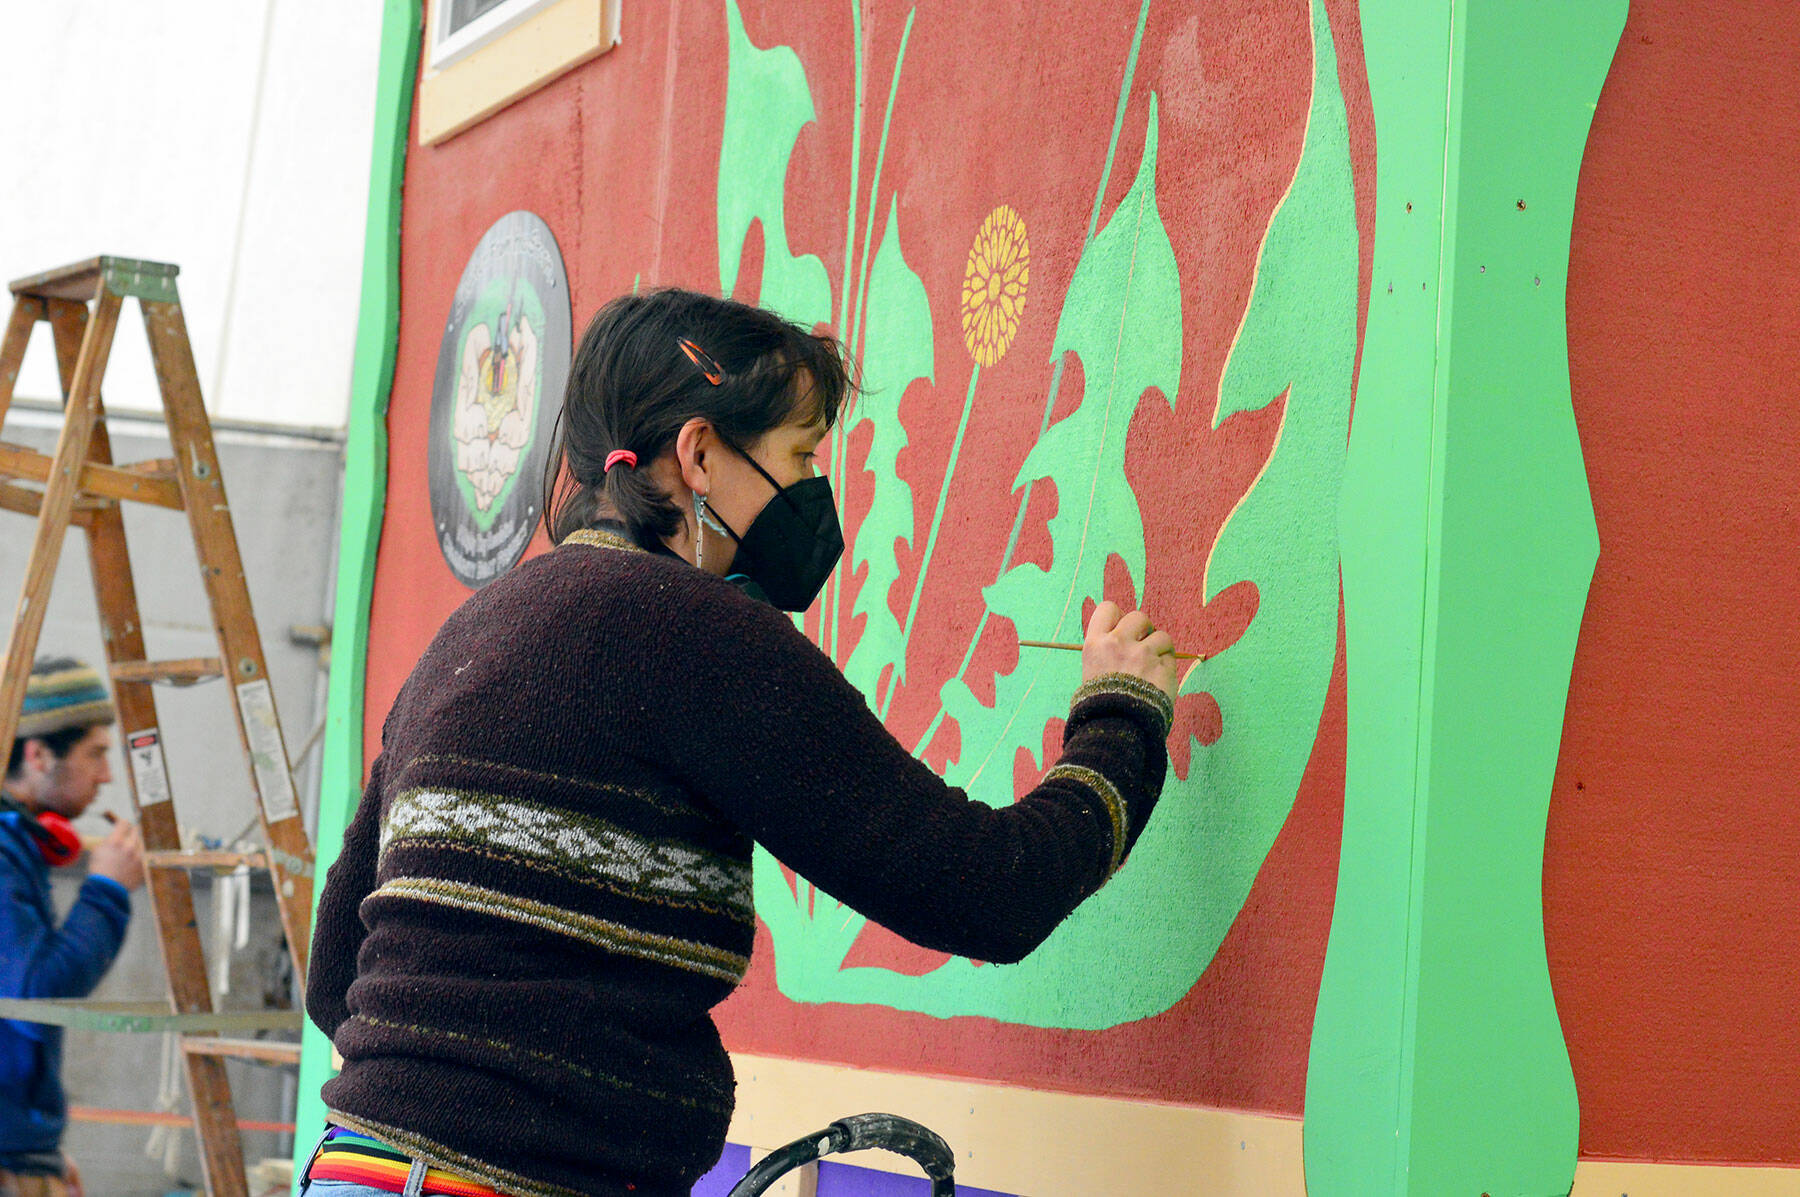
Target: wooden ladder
80, 485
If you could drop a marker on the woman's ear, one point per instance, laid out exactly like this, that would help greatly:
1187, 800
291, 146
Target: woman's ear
692, 444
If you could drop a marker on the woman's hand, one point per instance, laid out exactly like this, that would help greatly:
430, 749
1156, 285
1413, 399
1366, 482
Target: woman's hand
1117, 642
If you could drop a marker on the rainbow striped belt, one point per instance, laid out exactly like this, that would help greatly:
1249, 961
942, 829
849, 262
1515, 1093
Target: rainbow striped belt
361, 1160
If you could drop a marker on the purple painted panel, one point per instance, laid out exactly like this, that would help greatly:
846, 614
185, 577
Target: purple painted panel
845, 1180
835, 1180
728, 1171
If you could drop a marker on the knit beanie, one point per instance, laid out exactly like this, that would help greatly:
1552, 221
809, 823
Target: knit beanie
62, 693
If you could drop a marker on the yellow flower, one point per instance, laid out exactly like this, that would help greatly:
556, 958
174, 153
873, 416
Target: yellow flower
993, 291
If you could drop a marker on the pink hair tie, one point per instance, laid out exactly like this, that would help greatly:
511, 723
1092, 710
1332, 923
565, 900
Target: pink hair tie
620, 455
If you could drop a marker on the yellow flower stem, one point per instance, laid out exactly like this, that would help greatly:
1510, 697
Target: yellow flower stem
937, 518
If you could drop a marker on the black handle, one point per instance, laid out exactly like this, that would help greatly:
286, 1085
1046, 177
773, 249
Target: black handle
860, 1132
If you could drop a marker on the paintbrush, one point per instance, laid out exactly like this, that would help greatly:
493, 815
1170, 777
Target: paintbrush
1075, 648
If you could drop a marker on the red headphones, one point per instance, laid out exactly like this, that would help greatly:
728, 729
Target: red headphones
57, 840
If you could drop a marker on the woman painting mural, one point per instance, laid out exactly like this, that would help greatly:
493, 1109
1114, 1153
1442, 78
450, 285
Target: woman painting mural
546, 888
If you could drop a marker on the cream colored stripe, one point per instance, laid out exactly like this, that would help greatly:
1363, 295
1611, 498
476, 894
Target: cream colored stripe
1046, 1144
72, 678
665, 949
1612, 1178
1029, 1141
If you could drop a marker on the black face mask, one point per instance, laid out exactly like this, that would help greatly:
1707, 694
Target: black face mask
791, 547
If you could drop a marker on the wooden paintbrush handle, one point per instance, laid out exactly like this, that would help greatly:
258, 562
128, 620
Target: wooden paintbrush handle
1075, 648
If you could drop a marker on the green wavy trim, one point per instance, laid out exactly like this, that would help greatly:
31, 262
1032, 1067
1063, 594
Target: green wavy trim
365, 492
1468, 543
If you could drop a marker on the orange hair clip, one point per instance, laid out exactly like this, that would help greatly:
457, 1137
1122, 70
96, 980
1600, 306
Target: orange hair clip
702, 359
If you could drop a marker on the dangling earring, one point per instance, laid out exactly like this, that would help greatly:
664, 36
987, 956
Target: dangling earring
699, 531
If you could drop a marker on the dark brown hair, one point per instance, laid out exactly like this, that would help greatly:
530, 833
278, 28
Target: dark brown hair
631, 386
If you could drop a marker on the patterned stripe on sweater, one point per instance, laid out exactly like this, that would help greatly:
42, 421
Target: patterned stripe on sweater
1109, 797
568, 842
1131, 687
603, 933
664, 803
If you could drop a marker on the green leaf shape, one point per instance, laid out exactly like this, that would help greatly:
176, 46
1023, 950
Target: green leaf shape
898, 351
1298, 337
767, 103
1122, 318
1169, 909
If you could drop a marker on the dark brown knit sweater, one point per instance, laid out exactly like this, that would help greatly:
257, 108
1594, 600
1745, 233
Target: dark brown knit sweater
546, 887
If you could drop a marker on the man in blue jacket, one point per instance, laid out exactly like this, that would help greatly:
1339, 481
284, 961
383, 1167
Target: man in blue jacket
55, 767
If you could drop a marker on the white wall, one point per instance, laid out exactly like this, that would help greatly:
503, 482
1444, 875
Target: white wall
231, 137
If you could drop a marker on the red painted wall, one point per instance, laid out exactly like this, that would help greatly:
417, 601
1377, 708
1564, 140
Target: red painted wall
1672, 869
620, 159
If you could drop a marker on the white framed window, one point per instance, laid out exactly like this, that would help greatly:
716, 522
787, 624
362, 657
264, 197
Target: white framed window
481, 55
460, 27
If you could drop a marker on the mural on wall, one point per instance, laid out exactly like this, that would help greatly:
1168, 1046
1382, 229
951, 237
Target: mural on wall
980, 230
1108, 337
1118, 348
501, 368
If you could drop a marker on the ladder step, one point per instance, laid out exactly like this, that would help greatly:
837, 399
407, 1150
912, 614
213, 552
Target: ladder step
103, 1114
182, 673
91, 1014
149, 482
26, 501
271, 1051
205, 860
78, 280
85, 280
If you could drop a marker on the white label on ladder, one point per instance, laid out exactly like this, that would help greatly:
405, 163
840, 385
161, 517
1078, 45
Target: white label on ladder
268, 755
149, 772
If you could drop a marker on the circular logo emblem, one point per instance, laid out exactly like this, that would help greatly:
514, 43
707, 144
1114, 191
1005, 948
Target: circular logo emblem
500, 374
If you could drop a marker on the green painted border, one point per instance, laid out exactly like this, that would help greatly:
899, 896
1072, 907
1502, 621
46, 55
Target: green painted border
1468, 543
365, 490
